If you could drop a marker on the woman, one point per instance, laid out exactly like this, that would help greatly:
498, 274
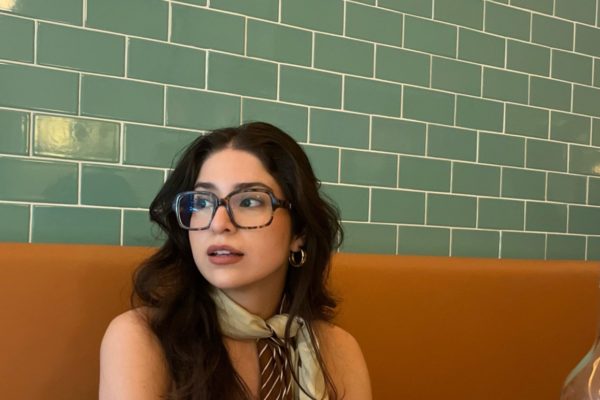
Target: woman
234, 304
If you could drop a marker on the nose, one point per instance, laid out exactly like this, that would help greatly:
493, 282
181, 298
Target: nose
222, 221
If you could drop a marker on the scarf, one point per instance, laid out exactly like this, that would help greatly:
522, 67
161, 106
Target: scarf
238, 323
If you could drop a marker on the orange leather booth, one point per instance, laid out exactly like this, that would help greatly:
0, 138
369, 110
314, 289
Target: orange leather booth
430, 327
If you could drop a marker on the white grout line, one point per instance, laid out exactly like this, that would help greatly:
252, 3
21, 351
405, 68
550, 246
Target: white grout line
169, 22
121, 228
30, 228
79, 174
369, 204
84, 12
35, 41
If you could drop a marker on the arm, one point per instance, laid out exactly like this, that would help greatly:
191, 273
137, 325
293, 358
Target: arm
345, 362
132, 364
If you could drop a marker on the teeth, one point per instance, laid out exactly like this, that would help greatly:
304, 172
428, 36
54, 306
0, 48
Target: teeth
222, 252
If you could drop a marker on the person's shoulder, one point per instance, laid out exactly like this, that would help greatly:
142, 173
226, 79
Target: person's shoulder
132, 363
344, 360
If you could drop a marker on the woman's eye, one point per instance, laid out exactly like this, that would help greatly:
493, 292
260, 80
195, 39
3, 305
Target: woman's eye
250, 202
201, 204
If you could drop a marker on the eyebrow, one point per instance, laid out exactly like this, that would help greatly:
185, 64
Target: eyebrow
239, 186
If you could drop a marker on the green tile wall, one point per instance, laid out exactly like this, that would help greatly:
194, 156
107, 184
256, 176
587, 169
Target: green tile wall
447, 127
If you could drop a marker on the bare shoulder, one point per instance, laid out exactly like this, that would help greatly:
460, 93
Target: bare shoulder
345, 361
132, 363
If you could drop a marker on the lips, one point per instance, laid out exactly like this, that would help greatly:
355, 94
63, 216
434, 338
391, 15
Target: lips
223, 251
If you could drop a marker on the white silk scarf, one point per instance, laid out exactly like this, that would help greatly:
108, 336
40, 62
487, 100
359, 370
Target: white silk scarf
238, 323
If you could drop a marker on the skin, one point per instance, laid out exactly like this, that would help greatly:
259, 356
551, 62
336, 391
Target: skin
132, 363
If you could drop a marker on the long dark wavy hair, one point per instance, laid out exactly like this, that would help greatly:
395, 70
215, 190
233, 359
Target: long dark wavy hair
182, 314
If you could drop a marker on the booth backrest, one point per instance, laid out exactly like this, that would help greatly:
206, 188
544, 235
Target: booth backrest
430, 327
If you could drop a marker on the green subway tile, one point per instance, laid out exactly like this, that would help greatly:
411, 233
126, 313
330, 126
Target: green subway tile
45, 181
450, 210
544, 6
501, 149
570, 127
364, 168
330, 14
527, 121
423, 241
550, 93
402, 66
587, 40
501, 214
416, 7
397, 206
369, 238
430, 36
15, 223
469, 243
80, 49
566, 188
527, 57
353, 202
461, 12
208, 29
121, 99
197, 2
476, 179
586, 100
572, 67
455, 143
292, 119
584, 160
311, 87
125, 16
550, 156
153, 146
14, 132
373, 24
265, 9
565, 247
139, 231
16, 38
38, 88
523, 184
456, 76
398, 136
279, 43
545, 217
343, 55
595, 132
577, 10
119, 186
424, 174
324, 160
76, 138
523, 245
507, 21
593, 191
479, 114
593, 248
75, 225
242, 76
505, 85
201, 110
160, 62
428, 105
372, 97
552, 32
69, 11
480, 47
339, 128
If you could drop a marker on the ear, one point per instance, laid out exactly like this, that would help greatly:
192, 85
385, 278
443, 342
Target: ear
296, 243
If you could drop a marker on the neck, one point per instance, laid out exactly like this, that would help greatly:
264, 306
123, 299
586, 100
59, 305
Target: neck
263, 303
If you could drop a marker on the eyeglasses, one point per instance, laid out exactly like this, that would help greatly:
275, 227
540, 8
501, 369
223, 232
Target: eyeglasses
247, 208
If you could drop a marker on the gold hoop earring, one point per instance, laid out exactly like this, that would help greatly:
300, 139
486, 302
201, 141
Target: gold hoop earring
293, 258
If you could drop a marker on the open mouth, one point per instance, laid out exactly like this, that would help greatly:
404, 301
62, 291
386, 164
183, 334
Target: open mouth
224, 253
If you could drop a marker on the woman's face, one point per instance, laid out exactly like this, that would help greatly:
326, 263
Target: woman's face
235, 259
